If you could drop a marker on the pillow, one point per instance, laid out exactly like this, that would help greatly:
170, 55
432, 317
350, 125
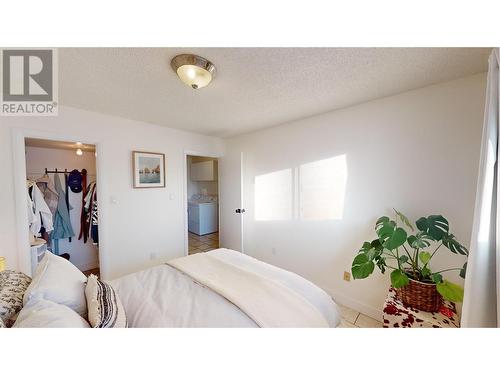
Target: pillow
13, 285
41, 313
104, 306
59, 281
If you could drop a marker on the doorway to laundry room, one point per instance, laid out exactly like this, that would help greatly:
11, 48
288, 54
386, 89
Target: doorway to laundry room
62, 201
202, 203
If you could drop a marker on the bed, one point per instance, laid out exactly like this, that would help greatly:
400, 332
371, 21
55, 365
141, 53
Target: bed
220, 288
174, 296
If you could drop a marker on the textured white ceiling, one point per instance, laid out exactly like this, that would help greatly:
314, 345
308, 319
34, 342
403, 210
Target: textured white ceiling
254, 87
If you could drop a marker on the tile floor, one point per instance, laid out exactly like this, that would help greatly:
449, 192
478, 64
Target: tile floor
200, 244
354, 319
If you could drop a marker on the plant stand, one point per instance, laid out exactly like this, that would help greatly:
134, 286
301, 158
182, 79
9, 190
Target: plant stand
398, 315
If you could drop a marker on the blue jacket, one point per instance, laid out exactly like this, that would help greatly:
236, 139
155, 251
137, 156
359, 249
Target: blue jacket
62, 222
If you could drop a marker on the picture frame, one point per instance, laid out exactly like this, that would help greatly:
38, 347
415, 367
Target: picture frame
149, 169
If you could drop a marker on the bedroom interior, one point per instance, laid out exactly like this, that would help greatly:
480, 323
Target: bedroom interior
282, 191
293, 167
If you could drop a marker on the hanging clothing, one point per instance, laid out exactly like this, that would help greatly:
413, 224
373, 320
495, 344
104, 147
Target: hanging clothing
62, 222
94, 232
84, 230
67, 196
49, 192
88, 197
39, 213
91, 212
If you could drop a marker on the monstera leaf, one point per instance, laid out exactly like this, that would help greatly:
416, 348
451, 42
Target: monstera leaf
451, 243
419, 241
372, 249
451, 292
403, 219
380, 262
362, 267
381, 221
391, 237
399, 279
435, 226
396, 239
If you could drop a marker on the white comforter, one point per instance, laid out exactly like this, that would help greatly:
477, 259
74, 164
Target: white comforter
162, 296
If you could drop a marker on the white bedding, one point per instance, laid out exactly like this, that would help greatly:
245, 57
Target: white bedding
163, 296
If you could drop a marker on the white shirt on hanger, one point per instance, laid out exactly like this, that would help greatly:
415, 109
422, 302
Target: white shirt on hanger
38, 211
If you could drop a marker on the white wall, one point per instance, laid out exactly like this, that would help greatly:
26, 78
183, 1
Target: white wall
141, 224
417, 152
83, 255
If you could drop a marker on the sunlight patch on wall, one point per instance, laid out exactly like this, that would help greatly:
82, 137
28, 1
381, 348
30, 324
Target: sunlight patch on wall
322, 187
311, 191
273, 196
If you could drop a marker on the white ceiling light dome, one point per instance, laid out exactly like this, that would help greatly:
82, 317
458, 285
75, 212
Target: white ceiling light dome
195, 71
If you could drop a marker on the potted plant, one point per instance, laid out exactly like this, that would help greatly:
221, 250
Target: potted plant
409, 257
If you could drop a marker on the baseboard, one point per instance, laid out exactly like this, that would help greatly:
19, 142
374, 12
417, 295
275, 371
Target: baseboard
358, 306
87, 266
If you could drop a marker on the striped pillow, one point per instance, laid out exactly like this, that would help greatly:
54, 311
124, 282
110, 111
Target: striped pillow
105, 309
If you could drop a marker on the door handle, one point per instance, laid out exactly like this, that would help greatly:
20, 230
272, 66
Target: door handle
240, 210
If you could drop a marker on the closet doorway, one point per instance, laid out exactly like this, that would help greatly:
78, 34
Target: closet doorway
62, 187
202, 195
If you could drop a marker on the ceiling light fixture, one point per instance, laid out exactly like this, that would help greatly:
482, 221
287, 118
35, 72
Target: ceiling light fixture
79, 152
194, 71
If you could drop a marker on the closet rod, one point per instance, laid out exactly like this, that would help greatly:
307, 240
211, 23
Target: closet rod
55, 171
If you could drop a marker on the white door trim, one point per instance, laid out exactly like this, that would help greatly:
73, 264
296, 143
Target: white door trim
242, 200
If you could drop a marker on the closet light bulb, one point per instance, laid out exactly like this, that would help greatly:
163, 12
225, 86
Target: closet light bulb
79, 152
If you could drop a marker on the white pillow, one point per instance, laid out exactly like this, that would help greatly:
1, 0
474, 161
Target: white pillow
104, 306
59, 281
41, 313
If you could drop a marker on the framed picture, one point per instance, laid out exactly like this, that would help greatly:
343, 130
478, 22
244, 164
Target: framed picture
149, 169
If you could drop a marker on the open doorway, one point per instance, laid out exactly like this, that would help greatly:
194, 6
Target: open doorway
202, 203
62, 194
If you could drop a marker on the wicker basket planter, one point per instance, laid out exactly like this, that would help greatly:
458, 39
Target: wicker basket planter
421, 296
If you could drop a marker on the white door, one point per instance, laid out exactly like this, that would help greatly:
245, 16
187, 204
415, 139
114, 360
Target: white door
231, 194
